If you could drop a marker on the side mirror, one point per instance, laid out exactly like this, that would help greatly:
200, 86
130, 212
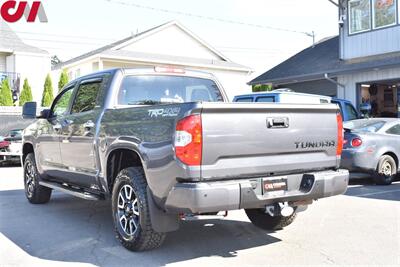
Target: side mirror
44, 114
29, 110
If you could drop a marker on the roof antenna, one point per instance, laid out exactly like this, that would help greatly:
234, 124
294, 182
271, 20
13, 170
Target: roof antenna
312, 35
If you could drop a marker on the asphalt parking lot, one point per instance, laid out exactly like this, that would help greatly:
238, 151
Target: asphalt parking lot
359, 228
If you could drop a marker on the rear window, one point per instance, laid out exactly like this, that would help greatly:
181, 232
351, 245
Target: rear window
266, 99
364, 126
244, 99
351, 112
148, 90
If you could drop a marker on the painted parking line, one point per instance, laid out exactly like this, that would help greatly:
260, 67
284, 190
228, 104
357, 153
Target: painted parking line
377, 193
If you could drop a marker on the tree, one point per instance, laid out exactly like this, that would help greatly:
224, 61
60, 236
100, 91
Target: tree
47, 97
5, 94
63, 80
26, 94
262, 88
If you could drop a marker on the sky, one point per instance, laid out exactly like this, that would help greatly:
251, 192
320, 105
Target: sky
77, 26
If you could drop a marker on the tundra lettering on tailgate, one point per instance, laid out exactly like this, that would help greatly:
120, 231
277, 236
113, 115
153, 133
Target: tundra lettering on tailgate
321, 144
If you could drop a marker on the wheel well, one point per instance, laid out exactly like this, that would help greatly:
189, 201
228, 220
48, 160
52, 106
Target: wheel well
28, 148
118, 160
396, 159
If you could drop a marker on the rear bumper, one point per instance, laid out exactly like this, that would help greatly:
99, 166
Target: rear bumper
243, 194
9, 156
358, 161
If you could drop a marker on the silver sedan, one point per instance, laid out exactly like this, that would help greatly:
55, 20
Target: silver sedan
373, 146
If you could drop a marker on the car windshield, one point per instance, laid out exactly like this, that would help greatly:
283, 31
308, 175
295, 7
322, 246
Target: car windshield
15, 133
364, 125
156, 89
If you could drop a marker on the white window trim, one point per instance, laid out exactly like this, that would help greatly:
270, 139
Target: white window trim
350, 17
373, 15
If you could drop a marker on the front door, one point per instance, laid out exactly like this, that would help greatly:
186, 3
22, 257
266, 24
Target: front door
49, 135
78, 135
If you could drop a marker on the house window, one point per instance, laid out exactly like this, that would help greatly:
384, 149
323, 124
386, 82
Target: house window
95, 66
384, 13
77, 73
360, 15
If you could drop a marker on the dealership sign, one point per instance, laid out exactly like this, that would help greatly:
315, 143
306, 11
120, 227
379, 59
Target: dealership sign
13, 11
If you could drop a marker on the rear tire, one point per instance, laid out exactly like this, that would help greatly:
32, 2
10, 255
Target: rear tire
35, 193
266, 222
130, 211
386, 171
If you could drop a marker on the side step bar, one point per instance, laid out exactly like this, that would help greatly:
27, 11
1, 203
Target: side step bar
71, 191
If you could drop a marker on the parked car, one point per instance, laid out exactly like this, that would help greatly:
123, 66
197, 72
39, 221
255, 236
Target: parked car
11, 150
348, 111
163, 142
373, 146
3, 143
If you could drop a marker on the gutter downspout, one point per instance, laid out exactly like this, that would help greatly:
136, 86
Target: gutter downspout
326, 76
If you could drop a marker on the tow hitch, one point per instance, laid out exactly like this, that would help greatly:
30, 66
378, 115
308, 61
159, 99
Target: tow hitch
279, 209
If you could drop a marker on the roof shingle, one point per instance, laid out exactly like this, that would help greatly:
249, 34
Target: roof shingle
323, 58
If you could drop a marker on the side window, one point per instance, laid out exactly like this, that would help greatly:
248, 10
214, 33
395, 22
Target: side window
86, 97
352, 113
394, 130
266, 99
247, 99
62, 104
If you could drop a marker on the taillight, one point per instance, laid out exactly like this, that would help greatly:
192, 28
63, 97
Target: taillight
189, 140
340, 135
356, 142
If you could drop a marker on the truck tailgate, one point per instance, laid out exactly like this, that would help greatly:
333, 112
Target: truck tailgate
252, 140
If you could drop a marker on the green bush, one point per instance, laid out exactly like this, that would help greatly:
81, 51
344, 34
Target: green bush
26, 94
47, 97
262, 88
6, 94
63, 80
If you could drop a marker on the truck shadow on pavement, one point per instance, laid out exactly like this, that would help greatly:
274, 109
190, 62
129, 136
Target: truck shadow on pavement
74, 230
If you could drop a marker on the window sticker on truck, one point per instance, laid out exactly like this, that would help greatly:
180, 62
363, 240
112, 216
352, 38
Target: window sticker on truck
167, 112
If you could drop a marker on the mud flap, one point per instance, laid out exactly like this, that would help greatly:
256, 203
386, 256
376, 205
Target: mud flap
161, 221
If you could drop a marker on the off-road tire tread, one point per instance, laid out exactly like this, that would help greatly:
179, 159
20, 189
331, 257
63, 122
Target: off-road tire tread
148, 239
41, 194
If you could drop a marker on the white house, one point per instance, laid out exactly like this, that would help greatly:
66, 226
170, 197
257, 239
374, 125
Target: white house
19, 61
168, 44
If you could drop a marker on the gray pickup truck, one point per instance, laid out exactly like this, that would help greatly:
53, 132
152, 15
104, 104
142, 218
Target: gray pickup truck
164, 142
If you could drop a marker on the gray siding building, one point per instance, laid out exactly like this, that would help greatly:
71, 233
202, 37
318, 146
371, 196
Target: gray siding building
362, 64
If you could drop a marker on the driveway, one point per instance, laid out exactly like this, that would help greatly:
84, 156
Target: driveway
361, 227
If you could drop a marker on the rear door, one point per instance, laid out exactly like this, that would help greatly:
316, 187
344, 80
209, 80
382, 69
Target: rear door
77, 140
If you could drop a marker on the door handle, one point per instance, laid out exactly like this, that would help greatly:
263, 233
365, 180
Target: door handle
57, 127
278, 122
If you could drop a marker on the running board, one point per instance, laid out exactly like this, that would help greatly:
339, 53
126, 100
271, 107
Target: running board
71, 191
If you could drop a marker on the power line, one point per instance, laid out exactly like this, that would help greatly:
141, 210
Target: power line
208, 17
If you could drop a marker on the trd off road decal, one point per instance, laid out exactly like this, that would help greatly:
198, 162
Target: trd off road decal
164, 112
